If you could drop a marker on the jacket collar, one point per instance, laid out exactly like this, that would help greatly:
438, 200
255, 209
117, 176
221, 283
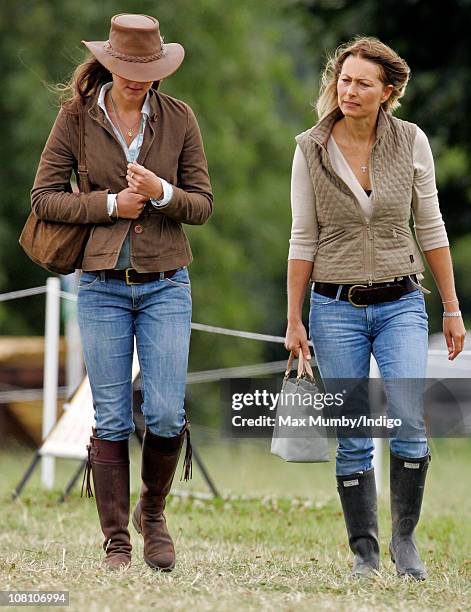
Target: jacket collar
322, 130
154, 104
151, 105
145, 110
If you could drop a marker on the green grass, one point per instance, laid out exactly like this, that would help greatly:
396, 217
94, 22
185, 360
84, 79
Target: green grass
275, 541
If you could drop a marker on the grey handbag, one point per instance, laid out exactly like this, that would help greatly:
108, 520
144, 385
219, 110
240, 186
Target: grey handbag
298, 444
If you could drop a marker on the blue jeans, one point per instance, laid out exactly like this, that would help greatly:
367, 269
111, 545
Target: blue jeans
396, 332
158, 315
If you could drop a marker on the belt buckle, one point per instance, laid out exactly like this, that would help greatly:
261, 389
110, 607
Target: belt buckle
349, 296
126, 277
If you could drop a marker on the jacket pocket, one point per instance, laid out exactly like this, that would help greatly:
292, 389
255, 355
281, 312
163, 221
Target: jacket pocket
87, 280
399, 232
181, 278
173, 232
412, 295
319, 299
332, 238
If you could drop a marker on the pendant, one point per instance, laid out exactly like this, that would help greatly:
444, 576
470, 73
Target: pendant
129, 132
364, 168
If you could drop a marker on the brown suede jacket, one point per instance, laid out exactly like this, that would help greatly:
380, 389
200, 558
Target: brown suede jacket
172, 149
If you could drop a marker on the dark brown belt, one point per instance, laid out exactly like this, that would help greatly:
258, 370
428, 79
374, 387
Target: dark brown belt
362, 294
133, 277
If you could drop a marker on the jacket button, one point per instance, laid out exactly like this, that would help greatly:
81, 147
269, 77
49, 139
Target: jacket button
138, 229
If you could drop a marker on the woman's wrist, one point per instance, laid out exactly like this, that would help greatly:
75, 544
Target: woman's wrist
451, 313
158, 192
451, 305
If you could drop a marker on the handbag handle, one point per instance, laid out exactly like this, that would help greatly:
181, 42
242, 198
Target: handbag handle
82, 171
304, 367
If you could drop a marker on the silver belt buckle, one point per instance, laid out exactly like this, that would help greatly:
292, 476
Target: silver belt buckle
349, 296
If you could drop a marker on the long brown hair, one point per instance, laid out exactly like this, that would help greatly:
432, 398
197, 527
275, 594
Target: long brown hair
85, 82
393, 71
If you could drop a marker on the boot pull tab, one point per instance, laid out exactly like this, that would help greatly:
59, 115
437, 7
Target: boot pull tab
187, 463
86, 475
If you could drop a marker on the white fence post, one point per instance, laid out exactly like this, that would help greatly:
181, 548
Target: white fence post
375, 397
74, 367
51, 372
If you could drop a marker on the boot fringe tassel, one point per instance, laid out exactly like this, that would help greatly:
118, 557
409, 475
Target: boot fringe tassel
187, 463
87, 474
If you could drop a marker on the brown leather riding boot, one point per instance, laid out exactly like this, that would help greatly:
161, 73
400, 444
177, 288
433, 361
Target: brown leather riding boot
109, 463
159, 462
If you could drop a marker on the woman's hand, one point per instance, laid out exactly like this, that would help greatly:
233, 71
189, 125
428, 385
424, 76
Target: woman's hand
143, 181
296, 338
130, 204
454, 331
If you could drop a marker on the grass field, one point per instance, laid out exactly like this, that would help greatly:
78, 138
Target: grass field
275, 541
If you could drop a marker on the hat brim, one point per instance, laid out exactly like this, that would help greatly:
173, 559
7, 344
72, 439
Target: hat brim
140, 72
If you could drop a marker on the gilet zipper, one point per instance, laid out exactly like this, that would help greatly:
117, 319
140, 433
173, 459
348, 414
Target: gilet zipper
366, 221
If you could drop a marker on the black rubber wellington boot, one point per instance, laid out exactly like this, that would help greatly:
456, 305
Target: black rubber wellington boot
407, 480
358, 496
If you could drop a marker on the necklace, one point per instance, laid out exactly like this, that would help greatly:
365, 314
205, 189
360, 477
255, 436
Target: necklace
364, 166
130, 130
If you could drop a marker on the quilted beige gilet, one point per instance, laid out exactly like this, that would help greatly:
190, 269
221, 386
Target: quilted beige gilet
351, 247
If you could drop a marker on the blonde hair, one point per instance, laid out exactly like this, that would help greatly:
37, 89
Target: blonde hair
393, 71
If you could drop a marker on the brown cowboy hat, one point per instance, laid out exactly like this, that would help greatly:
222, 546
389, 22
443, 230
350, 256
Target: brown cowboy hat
136, 51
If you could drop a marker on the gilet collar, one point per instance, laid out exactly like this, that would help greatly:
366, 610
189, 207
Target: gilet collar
322, 130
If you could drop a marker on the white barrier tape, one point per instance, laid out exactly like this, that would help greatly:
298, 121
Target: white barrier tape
68, 296
27, 395
257, 369
13, 295
239, 334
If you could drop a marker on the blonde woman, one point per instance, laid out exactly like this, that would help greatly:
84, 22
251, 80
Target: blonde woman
358, 175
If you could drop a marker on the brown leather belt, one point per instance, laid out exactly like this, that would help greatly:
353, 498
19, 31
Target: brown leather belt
133, 277
362, 294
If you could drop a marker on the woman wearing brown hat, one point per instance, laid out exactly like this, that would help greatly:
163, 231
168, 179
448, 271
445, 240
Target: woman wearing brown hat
149, 175
358, 175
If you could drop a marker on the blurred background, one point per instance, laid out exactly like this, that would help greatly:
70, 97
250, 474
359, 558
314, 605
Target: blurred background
251, 75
